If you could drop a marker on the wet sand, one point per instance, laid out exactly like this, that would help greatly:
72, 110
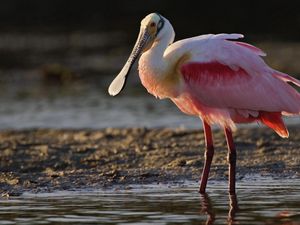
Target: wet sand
46, 160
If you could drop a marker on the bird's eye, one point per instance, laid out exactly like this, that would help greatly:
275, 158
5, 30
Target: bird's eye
152, 24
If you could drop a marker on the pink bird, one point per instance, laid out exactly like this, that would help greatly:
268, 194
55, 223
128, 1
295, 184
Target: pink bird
213, 77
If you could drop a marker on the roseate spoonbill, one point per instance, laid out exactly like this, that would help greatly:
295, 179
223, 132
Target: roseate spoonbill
214, 77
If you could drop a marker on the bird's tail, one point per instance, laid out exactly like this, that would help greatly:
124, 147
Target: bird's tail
275, 122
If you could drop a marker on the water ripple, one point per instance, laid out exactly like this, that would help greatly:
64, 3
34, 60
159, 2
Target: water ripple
265, 201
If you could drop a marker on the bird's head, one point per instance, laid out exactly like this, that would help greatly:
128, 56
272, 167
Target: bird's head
153, 28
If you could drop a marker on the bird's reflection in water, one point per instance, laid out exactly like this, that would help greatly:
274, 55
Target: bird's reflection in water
207, 208
233, 208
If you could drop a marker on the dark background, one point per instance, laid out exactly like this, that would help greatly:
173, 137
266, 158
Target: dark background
275, 19
64, 39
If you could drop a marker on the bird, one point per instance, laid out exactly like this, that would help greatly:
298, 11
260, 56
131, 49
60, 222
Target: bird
215, 77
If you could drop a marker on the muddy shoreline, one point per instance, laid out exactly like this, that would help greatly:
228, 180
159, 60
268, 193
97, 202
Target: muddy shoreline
47, 160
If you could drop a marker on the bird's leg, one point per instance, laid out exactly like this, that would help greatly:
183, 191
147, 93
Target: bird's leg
209, 153
231, 160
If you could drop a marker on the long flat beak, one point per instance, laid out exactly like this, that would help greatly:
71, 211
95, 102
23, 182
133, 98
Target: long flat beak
118, 83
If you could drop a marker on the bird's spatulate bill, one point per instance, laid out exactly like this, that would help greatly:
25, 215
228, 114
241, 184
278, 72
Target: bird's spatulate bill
118, 83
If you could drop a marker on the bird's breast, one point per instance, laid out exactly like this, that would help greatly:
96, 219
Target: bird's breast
163, 80
161, 84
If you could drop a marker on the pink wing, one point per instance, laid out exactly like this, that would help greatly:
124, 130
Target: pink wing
227, 74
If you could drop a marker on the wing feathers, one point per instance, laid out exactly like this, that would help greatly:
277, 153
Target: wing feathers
287, 78
228, 36
251, 48
217, 85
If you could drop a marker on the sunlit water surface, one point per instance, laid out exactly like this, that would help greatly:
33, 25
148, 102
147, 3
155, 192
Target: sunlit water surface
258, 201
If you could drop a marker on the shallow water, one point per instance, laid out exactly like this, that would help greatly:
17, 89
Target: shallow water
259, 201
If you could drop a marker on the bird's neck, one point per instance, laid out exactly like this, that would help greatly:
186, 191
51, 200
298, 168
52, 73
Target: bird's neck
155, 70
153, 61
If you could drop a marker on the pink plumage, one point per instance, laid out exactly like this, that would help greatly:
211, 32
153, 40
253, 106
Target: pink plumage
232, 84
